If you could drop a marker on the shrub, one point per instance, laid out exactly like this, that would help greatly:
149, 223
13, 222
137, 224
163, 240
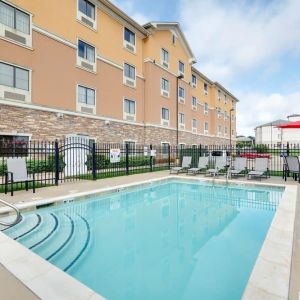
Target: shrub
262, 148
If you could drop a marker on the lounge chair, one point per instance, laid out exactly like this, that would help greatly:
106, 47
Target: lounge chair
202, 165
220, 164
261, 169
17, 172
186, 163
239, 166
292, 166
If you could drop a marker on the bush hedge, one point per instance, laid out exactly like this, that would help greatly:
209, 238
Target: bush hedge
103, 162
38, 166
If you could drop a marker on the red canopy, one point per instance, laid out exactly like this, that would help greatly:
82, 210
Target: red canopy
290, 125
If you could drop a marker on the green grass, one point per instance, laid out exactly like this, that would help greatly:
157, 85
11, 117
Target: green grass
21, 186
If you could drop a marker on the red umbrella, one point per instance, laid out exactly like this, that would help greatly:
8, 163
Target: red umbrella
290, 125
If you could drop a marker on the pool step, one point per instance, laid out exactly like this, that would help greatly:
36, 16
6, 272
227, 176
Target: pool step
27, 225
67, 257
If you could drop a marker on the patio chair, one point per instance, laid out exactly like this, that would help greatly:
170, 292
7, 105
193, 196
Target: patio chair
220, 164
17, 172
239, 166
202, 165
186, 163
292, 166
261, 169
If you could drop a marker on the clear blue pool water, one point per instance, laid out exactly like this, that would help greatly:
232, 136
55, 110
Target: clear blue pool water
172, 240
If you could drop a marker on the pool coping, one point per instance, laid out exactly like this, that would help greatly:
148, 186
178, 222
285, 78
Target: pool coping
269, 278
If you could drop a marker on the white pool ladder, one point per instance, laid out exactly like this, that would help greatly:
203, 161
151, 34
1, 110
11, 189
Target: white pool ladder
18, 216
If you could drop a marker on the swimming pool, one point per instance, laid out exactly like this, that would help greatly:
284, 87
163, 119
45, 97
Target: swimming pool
169, 240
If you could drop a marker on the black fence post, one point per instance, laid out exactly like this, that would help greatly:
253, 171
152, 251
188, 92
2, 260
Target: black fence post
56, 162
169, 156
151, 159
94, 167
127, 159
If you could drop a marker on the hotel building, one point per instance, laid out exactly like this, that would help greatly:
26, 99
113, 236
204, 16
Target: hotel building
84, 68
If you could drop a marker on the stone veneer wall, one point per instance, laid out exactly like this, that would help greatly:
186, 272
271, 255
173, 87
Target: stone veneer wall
44, 125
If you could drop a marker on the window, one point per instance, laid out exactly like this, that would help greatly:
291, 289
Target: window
181, 94
225, 115
219, 112
194, 103
13, 145
194, 124
194, 80
165, 148
129, 36
129, 107
225, 99
86, 51
181, 118
206, 127
14, 77
131, 147
181, 68
206, 108
219, 130
165, 84
225, 130
165, 114
87, 8
129, 75
219, 95
205, 88
86, 95
173, 39
181, 146
165, 58
129, 71
14, 18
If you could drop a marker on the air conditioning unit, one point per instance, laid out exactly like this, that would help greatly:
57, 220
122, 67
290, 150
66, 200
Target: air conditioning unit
194, 107
165, 122
87, 110
206, 113
16, 37
165, 93
206, 93
129, 117
181, 126
205, 131
180, 74
181, 100
87, 22
14, 96
193, 85
165, 64
194, 130
87, 66
129, 46
129, 82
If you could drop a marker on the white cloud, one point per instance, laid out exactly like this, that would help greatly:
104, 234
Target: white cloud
256, 109
129, 7
231, 38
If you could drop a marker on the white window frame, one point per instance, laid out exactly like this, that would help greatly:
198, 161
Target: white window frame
128, 79
180, 72
219, 95
164, 122
194, 84
181, 99
128, 116
164, 93
161, 145
25, 93
79, 105
194, 107
181, 125
204, 109
225, 131
194, 129
206, 130
80, 14
81, 60
225, 99
127, 44
205, 91
28, 37
164, 63
219, 130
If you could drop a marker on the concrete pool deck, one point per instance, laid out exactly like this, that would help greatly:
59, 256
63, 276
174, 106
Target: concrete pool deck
23, 198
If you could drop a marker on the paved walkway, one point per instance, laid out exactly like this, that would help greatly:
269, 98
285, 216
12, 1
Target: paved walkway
12, 288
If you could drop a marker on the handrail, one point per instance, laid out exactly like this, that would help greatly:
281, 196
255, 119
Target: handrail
18, 217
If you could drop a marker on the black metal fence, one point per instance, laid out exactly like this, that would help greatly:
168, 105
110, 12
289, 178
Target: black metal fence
78, 159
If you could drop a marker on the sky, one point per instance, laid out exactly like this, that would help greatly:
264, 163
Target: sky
252, 47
